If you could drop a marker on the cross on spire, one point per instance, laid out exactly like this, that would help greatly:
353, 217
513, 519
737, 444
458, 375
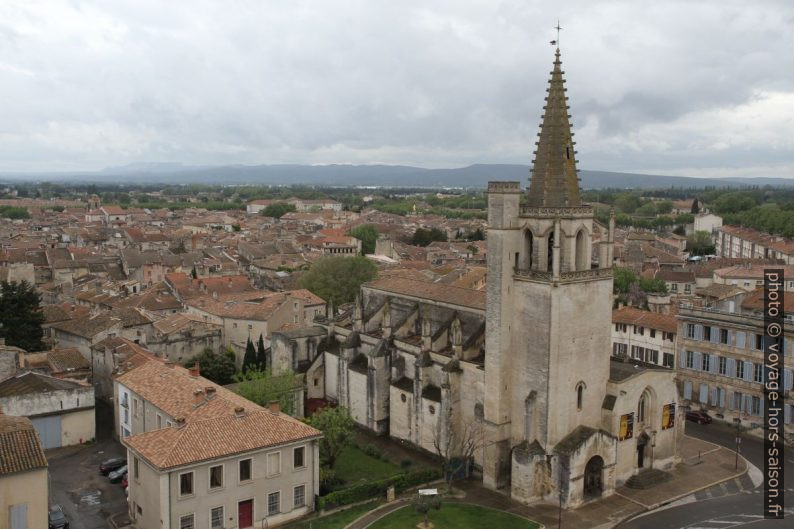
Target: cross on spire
558, 28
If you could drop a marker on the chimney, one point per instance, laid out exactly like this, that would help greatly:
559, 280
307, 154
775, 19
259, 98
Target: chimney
239, 411
209, 391
275, 407
198, 397
195, 370
179, 421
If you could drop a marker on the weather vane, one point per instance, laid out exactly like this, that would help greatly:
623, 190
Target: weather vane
558, 28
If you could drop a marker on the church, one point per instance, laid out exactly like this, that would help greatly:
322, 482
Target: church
518, 378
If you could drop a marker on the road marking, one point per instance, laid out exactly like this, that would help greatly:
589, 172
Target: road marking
91, 498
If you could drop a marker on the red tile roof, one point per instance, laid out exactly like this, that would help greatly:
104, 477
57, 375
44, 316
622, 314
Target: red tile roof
20, 447
652, 320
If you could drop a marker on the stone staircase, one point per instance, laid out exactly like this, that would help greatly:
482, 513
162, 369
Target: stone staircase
647, 478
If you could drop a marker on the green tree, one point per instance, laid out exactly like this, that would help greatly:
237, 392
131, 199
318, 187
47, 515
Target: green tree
218, 367
277, 209
249, 360
261, 354
734, 203
476, 235
262, 387
700, 243
337, 427
627, 202
21, 316
368, 235
423, 237
337, 279
646, 210
622, 279
12, 212
664, 207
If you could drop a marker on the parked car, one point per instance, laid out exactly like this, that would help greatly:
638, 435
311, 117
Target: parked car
700, 417
117, 475
125, 481
57, 520
109, 465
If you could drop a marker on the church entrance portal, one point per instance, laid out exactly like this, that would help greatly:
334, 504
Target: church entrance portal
594, 477
642, 442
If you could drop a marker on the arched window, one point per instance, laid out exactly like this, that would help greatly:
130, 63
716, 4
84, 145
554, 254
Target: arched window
641, 409
529, 417
579, 395
550, 253
582, 259
529, 244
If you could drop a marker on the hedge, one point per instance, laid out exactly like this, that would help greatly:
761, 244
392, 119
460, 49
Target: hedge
371, 489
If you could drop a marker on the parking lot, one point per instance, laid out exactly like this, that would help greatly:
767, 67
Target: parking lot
88, 499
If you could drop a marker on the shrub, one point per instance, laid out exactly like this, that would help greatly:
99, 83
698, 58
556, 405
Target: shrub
372, 451
365, 491
406, 463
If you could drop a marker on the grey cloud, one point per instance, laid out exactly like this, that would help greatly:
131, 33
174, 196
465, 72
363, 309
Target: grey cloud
440, 83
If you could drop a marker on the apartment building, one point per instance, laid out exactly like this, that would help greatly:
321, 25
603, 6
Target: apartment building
645, 336
202, 457
721, 359
736, 241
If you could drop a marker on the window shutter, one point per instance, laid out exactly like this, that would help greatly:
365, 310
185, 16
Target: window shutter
704, 393
787, 376
713, 397
748, 404
740, 339
722, 397
715, 364
748, 371
682, 358
698, 361
731, 367
787, 413
688, 390
715, 334
730, 400
698, 332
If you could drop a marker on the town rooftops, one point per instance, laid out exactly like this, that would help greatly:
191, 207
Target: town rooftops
751, 271
463, 297
87, 327
30, 382
207, 439
620, 370
754, 302
260, 309
20, 447
644, 318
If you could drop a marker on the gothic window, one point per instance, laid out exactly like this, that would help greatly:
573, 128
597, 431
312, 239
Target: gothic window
529, 244
641, 409
579, 395
529, 417
582, 259
550, 253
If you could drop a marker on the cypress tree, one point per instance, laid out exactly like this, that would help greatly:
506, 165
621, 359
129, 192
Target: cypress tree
249, 360
261, 356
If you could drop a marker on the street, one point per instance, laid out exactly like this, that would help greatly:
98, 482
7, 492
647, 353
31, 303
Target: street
722, 506
87, 497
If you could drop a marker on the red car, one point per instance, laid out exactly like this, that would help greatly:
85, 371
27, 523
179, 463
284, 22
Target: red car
700, 417
124, 481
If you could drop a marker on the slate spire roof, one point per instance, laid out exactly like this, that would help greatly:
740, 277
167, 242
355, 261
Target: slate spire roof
554, 181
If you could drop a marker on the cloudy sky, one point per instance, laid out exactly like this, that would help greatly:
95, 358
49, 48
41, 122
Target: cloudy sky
700, 88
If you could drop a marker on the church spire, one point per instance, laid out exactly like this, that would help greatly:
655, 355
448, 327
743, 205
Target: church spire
554, 181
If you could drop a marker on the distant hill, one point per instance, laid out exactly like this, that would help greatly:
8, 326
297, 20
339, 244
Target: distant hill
475, 176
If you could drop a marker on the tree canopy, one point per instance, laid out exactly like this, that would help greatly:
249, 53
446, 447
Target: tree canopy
368, 235
337, 279
337, 427
277, 209
262, 387
423, 237
21, 316
700, 243
218, 367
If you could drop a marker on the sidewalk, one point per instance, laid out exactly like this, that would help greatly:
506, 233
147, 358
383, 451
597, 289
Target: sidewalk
704, 465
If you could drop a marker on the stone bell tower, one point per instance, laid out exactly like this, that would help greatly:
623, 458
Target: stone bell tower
548, 306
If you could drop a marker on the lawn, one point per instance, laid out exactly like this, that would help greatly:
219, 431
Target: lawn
454, 516
354, 466
338, 520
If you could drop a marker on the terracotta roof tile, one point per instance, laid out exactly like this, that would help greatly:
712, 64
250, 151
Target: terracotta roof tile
652, 320
20, 447
464, 297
